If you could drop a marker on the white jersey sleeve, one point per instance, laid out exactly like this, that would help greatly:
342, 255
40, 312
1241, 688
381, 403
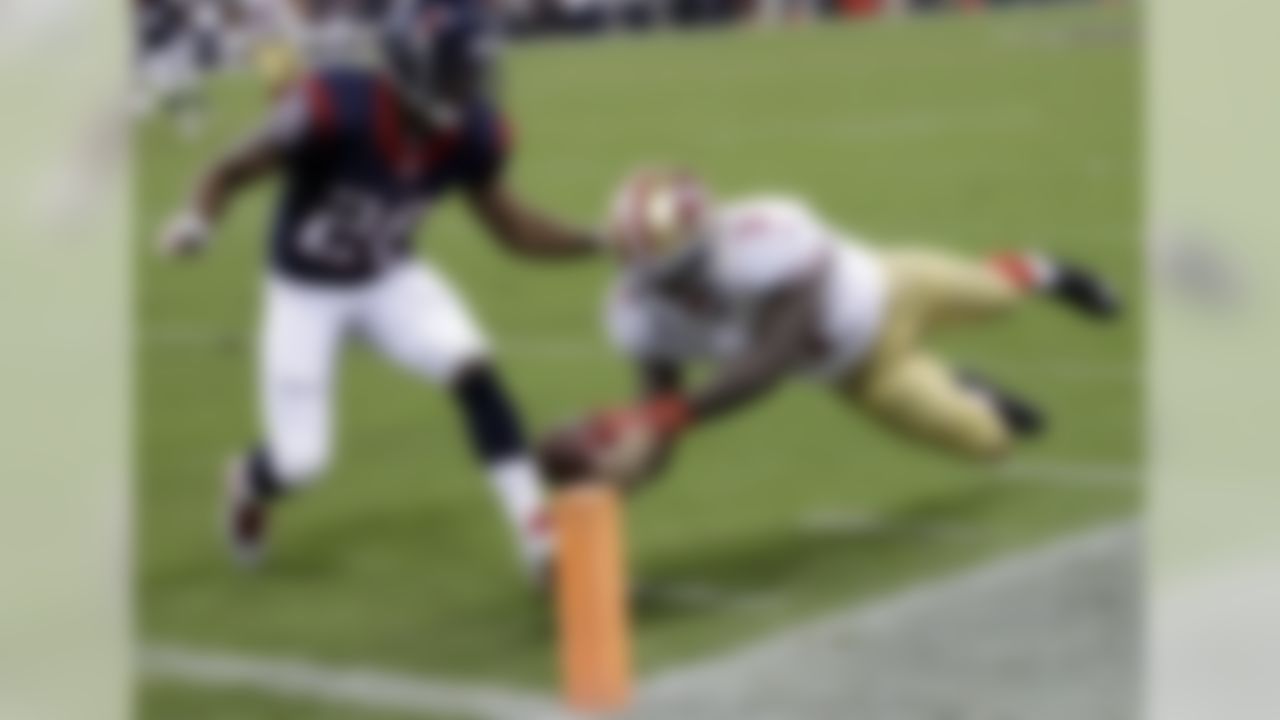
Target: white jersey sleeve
626, 322
761, 245
640, 329
643, 327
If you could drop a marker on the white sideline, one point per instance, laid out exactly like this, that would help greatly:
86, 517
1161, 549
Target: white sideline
1051, 634
364, 687
716, 689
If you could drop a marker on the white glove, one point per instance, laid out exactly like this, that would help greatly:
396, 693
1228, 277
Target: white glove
186, 235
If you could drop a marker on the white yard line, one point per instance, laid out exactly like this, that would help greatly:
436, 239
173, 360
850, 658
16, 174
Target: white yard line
907, 124
1049, 633
355, 686
586, 349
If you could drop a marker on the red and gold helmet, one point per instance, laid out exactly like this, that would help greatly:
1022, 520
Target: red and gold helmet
659, 218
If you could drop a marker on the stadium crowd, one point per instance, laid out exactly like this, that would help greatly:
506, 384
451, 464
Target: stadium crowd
179, 42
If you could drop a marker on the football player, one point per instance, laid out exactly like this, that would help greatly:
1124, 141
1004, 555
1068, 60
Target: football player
286, 37
766, 289
169, 72
363, 156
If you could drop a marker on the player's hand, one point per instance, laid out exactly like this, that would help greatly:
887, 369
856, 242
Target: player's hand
186, 235
623, 446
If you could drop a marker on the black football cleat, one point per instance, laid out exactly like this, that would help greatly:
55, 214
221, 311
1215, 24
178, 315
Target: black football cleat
245, 516
1022, 418
1084, 291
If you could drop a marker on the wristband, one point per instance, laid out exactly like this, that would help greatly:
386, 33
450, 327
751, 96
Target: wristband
194, 222
669, 414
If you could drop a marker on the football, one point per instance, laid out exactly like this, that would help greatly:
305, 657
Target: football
565, 454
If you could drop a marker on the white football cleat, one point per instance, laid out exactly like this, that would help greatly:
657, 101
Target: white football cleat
537, 548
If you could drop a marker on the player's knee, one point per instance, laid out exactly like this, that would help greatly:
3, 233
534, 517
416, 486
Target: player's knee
464, 366
298, 464
990, 442
447, 363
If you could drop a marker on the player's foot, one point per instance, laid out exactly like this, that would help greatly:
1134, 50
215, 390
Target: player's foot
1084, 291
537, 548
245, 516
1021, 417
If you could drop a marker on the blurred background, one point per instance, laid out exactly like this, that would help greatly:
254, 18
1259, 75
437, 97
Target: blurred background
179, 39
974, 125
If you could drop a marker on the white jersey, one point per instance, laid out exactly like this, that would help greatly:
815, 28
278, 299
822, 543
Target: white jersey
756, 247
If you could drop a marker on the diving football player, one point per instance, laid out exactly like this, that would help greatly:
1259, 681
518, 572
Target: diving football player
765, 290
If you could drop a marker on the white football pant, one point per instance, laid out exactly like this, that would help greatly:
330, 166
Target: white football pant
411, 314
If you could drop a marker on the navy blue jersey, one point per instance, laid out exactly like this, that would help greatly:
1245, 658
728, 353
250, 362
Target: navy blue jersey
359, 178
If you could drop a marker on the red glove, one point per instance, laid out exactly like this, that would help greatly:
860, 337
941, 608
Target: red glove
663, 417
621, 446
625, 445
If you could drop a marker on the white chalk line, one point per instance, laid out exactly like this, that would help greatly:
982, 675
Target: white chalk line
356, 686
871, 662
379, 689
905, 125
579, 349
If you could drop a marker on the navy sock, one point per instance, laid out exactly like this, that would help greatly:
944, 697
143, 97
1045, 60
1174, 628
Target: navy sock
263, 480
493, 423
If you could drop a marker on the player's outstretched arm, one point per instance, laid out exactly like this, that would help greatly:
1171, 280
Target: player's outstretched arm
628, 445
191, 228
785, 337
659, 377
528, 231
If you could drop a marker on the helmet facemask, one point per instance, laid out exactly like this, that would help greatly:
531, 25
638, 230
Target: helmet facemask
659, 224
441, 56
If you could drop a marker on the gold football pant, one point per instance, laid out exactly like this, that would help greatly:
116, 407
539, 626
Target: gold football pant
910, 389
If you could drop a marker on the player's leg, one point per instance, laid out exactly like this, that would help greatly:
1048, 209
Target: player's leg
419, 320
920, 397
300, 338
177, 84
934, 287
1077, 287
1022, 417
948, 289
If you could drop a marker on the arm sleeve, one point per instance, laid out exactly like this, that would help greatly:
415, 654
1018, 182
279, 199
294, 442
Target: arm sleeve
638, 329
486, 147
626, 322
306, 112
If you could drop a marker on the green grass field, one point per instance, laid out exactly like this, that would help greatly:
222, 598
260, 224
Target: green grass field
976, 132
161, 700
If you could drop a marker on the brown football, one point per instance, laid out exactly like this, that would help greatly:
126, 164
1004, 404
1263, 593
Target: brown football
565, 454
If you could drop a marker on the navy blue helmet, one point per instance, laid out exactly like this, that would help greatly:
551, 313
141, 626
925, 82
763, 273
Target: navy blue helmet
441, 54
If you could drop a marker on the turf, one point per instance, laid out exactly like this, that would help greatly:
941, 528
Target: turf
974, 132
165, 701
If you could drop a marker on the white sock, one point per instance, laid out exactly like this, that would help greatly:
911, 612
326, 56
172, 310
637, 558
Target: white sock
519, 488
1043, 269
